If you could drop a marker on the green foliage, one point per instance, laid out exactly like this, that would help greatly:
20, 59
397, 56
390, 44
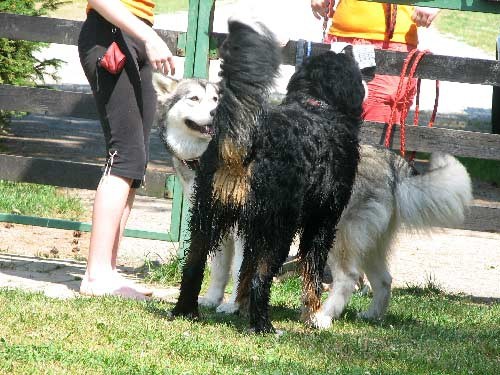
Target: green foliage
18, 63
167, 273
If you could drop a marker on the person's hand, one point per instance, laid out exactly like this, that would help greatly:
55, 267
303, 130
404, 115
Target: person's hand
423, 16
318, 8
159, 54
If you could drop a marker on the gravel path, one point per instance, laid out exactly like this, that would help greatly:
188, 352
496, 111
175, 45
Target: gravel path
458, 261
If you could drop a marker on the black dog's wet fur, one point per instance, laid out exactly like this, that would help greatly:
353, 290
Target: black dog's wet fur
301, 158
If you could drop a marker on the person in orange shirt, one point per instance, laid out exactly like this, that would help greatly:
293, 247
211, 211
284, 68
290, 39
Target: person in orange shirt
385, 26
126, 103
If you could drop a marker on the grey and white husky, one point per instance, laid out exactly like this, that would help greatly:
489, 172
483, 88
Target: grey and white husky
388, 195
185, 110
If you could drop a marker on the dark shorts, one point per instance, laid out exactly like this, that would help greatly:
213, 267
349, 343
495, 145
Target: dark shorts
126, 102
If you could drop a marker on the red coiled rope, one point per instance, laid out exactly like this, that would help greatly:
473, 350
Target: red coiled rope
403, 95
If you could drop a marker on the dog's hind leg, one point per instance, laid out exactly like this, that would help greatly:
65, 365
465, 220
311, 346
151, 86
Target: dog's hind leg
260, 292
266, 249
377, 272
378, 275
316, 240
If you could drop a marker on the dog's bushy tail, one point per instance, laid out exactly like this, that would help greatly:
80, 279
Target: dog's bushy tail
251, 58
437, 198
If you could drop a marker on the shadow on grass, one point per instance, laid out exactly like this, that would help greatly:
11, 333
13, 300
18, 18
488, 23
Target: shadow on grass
282, 314
67, 272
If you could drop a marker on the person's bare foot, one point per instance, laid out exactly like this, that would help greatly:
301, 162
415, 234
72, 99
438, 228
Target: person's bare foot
109, 287
132, 284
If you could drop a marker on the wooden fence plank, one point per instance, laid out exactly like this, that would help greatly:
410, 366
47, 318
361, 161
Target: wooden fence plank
455, 142
56, 30
444, 68
462, 143
483, 219
69, 174
47, 101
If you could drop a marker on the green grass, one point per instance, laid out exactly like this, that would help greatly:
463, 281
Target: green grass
38, 200
167, 273
476, 29
425, 332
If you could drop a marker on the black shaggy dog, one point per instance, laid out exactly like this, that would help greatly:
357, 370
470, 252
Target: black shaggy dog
274, 171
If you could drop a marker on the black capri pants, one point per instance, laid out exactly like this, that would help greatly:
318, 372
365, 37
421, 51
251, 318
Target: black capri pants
126, 102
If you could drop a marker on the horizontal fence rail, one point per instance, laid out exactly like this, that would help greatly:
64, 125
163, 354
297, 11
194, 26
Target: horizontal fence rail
47, 101
70, 174
55, 30
421, 138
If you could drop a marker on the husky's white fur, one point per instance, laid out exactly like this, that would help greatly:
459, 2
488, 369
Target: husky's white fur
387, 196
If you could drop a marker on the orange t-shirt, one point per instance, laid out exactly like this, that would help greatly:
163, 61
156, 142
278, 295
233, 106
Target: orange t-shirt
141, 8
362, 19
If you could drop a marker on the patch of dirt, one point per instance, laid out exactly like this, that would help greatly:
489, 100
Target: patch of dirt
43, 242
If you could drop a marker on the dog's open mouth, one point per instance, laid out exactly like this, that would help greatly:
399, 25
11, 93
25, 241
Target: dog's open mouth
203, 129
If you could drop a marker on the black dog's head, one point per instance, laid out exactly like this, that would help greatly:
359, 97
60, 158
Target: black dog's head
331, 77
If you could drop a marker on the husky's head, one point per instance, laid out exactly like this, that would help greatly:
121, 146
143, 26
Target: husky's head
185, 111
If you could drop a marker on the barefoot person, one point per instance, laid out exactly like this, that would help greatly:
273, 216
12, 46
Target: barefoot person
126, 103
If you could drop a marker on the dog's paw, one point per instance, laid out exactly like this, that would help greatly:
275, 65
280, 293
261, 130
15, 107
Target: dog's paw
319, 320
263, 328
368, 315
192, 314
208, 301
228, 308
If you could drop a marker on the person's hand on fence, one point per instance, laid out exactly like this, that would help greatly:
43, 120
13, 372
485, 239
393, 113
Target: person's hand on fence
159, 54
424, 16
318, 8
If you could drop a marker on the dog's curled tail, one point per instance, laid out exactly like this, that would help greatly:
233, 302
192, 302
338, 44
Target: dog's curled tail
437, 198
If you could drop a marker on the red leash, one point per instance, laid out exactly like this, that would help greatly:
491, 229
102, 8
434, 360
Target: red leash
403, 95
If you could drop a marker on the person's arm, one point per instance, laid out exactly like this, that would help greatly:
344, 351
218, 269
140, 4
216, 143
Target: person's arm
318, 8
424, 16
158, 52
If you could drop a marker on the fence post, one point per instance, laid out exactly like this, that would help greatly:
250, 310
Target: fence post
200, 19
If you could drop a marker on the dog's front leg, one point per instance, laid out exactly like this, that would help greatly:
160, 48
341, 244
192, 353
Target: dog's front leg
192, 276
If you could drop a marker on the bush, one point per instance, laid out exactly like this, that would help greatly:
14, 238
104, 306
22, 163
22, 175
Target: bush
18, 65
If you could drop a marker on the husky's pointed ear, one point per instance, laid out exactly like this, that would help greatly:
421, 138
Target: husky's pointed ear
164, 85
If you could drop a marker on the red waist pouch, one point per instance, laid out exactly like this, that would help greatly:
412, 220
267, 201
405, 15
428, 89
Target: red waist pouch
113, 60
